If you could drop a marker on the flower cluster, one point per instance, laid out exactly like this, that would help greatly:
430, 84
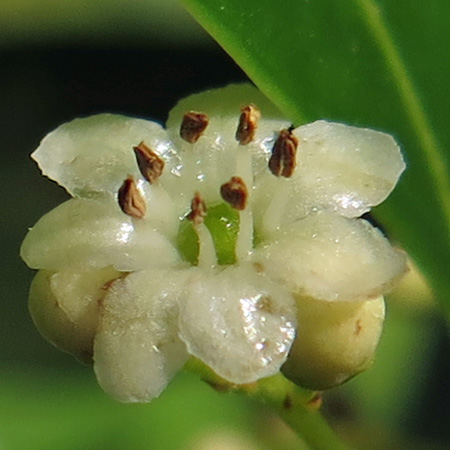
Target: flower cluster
229, 236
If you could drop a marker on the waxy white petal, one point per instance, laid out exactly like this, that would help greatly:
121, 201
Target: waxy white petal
65, 307
225, 103
335, 341
347, 169
83, 233
237, 322
161, 211
215, 157
79, 292
92, 156
330, 257
54, 324
137, 350
339, 168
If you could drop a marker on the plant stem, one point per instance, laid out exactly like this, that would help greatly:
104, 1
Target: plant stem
298, 407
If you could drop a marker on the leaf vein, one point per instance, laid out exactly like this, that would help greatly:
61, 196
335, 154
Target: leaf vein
413, 105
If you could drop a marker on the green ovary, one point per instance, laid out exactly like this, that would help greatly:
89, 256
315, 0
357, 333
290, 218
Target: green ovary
222, 222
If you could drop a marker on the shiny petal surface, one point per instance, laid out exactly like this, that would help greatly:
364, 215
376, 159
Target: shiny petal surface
54, 324
137, 350
79, 292
237, 322
349, 169
335, 341
330, 257
92, 156
83, 233
217, 156
339, 168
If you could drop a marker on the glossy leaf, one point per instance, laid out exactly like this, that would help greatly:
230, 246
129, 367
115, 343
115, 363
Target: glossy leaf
381, 64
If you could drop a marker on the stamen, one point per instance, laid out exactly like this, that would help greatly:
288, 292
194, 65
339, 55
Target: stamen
238, 195
207, 252
277, 206
248, 122
150, 164
283, 159
130, 200
198, 209
235, 193
193, 126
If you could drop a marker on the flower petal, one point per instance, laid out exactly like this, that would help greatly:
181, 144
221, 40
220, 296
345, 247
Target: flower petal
54, 324
214, 158
335, 341
339, 168
348, 169
78, 294
161, 213
83, 233
224, 103
92, 156
330, 257
237, 322
137, 350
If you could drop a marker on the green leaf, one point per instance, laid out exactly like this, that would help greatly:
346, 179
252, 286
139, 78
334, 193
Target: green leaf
382, 64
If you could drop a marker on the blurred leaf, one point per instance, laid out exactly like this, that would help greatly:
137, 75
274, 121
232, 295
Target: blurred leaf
382, 64
44, 410
147, 22
411, 340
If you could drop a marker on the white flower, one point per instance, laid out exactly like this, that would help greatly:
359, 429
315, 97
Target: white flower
204, 240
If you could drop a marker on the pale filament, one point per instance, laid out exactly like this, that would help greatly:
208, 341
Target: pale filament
244, 243
207, 257
277, 206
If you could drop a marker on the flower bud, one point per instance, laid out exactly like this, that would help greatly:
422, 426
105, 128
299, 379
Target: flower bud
335, 341
64, 308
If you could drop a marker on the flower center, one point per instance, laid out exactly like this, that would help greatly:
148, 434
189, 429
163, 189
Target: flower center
222, 222
221, 233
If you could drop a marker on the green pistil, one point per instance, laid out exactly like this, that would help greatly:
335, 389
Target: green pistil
222, 222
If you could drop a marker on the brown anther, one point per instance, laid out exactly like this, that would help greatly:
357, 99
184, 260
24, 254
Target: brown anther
193, 126
130, 200
248, 122
235, 193
150, 163
283, 159
198, 209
